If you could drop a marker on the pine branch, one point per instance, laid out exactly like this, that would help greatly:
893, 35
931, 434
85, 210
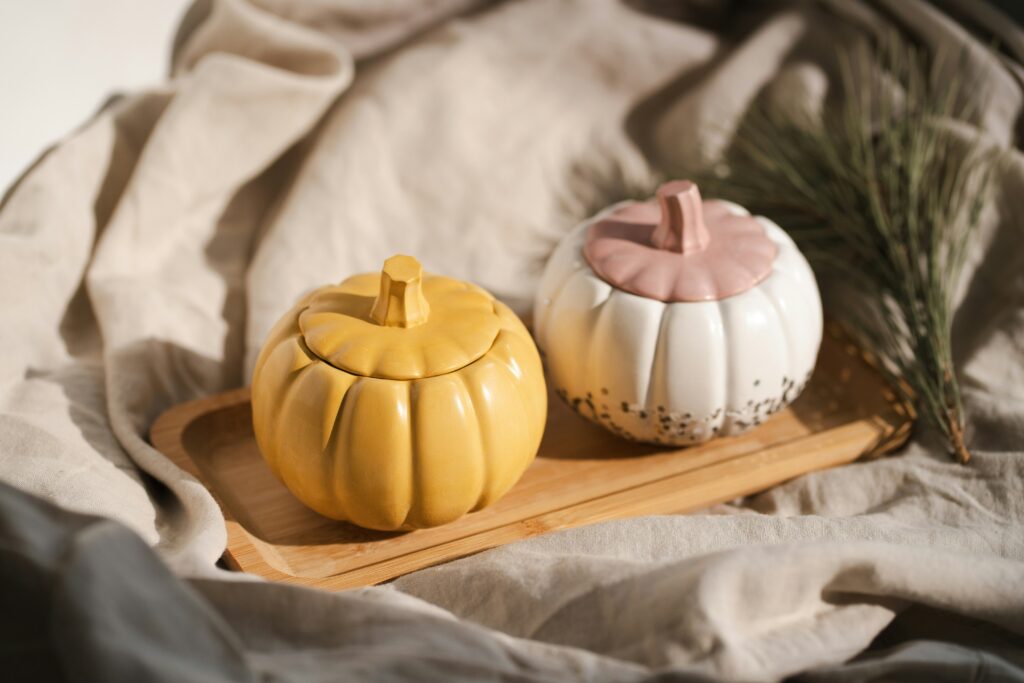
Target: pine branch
883, 198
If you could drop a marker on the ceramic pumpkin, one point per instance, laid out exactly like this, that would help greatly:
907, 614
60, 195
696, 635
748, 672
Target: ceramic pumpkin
677, 320
398, 400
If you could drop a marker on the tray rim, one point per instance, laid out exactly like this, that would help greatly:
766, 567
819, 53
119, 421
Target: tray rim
247, 552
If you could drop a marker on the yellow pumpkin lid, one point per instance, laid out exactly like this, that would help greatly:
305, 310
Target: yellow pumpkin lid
400, 323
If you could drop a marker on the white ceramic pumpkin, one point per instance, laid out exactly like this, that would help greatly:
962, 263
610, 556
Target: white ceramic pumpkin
671, 371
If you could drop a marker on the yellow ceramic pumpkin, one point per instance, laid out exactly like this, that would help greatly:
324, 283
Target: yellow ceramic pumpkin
398, 400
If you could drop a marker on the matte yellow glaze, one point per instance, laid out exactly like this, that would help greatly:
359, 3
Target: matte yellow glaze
405, 453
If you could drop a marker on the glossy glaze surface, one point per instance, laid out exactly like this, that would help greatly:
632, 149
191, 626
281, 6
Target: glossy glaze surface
677, 247
681, 372
399, 453
339, 327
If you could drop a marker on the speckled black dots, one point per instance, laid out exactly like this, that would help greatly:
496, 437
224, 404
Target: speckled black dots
678, 428
757, 382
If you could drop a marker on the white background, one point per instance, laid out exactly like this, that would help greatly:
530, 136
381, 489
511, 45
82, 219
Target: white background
61, 59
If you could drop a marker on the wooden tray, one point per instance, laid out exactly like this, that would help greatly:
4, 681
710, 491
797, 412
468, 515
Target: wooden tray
582, 475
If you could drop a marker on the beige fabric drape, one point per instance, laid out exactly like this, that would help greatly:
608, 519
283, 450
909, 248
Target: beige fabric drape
145, 257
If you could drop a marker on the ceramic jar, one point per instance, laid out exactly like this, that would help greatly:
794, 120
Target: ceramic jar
398, 400
676, 320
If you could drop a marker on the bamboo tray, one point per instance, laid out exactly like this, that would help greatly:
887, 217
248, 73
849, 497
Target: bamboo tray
582, 475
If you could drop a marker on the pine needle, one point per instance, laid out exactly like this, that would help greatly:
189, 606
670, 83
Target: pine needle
883, 198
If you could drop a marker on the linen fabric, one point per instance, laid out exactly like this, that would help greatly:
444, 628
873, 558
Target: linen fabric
144, 258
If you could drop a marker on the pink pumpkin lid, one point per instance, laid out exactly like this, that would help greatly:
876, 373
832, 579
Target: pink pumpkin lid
679, 248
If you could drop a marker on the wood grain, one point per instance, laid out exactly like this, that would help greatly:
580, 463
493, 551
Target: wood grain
582, 475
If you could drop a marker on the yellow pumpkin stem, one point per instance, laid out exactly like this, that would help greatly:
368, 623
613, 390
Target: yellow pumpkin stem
400, 302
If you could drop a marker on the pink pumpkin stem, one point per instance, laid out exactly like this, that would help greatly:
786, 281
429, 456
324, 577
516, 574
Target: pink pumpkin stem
682, 227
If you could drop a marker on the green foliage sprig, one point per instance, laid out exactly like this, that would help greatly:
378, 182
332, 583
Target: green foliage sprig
883, 196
